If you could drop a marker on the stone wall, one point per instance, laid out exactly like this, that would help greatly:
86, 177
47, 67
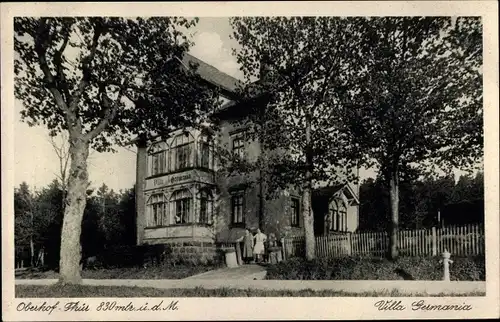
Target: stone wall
193, 252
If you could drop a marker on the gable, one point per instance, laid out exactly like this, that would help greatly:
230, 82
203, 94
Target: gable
343, 192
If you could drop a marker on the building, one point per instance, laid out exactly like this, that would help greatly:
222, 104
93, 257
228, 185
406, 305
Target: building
183, 200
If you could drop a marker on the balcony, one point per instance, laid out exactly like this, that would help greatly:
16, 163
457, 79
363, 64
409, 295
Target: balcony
179, 177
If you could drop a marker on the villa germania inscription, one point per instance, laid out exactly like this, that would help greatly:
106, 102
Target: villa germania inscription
420, 305
179, 178
171, 180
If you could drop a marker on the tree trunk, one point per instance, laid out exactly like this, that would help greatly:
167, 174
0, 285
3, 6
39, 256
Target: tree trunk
308, 223
76, 199
32, 244
306, 197
261, 202
32, 252
394, 197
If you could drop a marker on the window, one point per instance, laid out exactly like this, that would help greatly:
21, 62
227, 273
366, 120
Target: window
157, 160
181, 200
205, 155
206, 207
294, 212
343, 216
338, 213
182, 147
237, 208
239, 146
158, 163
156, 211
183, 156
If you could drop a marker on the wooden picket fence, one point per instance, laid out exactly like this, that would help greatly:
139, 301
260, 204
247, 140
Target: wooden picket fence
458, 240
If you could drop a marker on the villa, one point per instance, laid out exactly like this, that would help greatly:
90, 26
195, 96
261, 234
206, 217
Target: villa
182, 201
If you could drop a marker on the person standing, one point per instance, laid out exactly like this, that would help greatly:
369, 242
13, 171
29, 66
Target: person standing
247, 247
258, 249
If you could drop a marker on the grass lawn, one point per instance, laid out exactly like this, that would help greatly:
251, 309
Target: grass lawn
31, 291
154, 272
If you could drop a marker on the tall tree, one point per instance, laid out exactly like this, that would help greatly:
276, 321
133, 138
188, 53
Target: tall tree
416, 98
24, 212
127, 216
301, 63
110, 222
103, 80
48, 222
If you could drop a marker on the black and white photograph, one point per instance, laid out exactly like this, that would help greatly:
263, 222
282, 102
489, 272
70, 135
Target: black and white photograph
338, 161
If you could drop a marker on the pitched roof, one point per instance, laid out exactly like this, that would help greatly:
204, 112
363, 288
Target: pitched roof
212, 74
328, 191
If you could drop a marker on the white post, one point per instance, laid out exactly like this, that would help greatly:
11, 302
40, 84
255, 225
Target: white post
349, 243
446, 263
434, 242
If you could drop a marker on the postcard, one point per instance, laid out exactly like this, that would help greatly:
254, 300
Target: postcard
250, 160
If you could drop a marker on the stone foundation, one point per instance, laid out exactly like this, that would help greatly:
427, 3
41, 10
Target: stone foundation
194, 252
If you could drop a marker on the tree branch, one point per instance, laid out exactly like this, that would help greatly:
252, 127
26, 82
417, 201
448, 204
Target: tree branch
42, 38
110, 108
86, 62
329, 76
41, 43
60, 76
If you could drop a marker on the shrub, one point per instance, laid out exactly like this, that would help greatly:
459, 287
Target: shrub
133, 256
366, 268
468, 269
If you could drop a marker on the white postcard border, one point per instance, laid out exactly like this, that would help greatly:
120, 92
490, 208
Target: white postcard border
262, 308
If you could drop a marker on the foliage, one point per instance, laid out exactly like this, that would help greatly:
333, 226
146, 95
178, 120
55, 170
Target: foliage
93, 64
418, 95
367, 268
421, 200
298, 61
415, 99
118, 219
23, 208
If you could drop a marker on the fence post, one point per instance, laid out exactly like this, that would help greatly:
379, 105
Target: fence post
283, 248
434, 242
349, 244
